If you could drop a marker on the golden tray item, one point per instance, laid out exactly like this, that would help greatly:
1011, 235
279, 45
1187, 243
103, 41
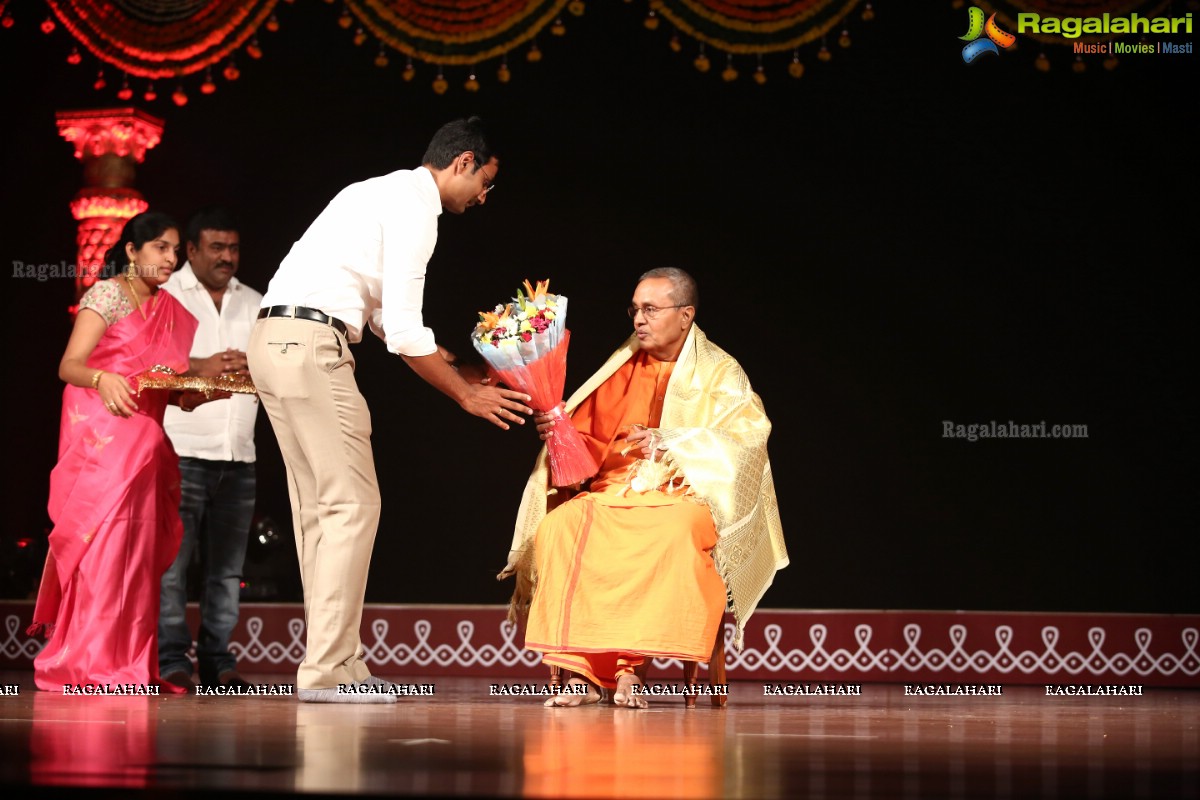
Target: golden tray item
238, 383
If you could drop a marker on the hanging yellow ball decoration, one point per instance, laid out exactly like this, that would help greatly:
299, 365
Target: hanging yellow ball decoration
440, 84
381, 60
253, 50
534, 54
1110, 63
729, 74
702, 63
823, 54
1041, 63
558, 29
1079, 66
674, 44
760, 77
651, 22
502, 74
796, 69
576, 7
346, 20
360, 37
844, 39
272, 24
409, 73
868, 13
472, 84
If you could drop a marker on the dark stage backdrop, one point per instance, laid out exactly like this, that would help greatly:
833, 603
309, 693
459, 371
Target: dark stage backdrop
894, 241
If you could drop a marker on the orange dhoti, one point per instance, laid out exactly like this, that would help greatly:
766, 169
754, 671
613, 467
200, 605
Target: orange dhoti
622, 579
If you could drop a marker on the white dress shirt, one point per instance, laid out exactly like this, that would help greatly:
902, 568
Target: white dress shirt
363, 260
222, 430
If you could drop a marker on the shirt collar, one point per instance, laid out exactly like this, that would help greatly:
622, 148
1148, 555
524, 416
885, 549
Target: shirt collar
428, 188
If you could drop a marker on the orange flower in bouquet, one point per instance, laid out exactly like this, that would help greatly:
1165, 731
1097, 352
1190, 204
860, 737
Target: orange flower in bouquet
524, 343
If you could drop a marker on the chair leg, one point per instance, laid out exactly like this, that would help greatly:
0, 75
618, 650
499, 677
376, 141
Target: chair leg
691, 679
716, 667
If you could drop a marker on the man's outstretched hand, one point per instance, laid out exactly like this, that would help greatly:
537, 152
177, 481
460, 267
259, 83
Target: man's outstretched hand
499, 406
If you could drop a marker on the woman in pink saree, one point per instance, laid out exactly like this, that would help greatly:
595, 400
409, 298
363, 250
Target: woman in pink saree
114, 493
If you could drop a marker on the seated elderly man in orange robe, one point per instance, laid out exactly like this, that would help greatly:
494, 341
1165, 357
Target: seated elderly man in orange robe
681, 519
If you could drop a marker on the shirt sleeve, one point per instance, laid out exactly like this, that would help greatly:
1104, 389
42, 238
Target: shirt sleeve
409, 237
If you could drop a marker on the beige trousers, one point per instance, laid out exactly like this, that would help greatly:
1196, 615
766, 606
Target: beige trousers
304, 373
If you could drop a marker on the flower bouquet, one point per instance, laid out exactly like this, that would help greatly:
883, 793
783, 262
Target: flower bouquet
525, 345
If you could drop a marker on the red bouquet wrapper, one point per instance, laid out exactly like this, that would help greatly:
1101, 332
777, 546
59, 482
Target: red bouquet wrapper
543, 380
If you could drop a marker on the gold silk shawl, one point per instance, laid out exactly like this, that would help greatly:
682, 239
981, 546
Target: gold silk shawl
716, 430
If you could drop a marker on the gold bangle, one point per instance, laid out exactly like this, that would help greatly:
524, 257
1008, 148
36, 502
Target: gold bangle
96, 379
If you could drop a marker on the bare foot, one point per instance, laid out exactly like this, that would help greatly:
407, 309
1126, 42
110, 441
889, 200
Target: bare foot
575, 700
625, 696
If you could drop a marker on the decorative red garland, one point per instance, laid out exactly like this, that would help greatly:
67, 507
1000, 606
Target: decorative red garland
162, 50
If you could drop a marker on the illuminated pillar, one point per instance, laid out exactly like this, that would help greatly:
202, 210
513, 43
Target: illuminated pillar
109, 142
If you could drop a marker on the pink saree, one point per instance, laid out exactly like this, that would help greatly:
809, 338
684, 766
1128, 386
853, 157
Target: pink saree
114, 501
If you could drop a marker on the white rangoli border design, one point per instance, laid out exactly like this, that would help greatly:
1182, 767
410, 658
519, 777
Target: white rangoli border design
1139, 661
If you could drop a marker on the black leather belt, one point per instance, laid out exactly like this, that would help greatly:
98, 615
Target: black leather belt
301, 312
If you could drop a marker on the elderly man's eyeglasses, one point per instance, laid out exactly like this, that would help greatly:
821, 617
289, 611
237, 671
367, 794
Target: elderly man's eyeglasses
650, 312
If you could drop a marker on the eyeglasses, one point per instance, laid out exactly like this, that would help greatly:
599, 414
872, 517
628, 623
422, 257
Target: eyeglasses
650, 311
488, 184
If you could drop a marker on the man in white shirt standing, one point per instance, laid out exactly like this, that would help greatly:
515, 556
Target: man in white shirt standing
215, 443
360, 264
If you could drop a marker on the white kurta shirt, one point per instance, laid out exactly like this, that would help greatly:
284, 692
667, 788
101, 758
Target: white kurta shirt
363, 260
221, 430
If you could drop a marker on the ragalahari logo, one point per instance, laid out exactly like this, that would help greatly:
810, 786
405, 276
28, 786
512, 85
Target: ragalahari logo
977, 27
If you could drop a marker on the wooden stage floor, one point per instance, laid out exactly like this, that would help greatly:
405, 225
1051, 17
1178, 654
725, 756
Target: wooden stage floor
463, 742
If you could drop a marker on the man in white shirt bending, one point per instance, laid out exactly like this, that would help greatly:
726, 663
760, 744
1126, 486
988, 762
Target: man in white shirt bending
360, 264
215, 443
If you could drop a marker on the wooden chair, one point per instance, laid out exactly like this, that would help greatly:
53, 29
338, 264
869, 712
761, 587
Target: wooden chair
716, 672
691, 673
